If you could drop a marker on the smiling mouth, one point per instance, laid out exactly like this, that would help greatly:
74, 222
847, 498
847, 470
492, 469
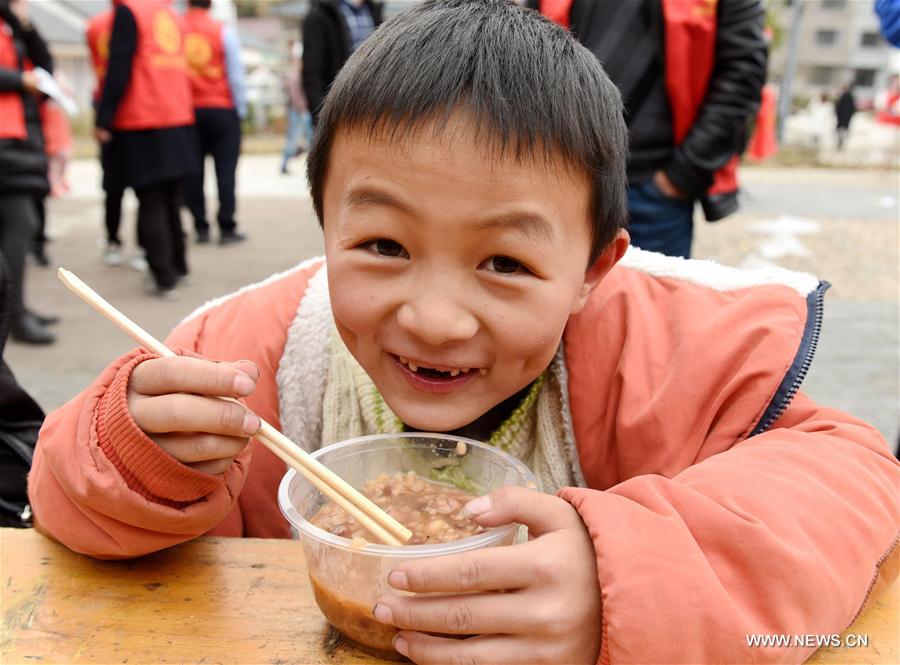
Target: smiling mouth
438, 372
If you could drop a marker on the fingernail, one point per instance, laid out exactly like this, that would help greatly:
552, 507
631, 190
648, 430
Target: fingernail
243, 384
400, 646
383, 613
397, 579
251, 423
478, 506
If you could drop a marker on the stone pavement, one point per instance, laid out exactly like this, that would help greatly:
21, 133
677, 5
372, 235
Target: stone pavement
840, 225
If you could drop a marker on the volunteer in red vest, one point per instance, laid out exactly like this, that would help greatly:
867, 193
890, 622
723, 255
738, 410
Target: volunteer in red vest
146, 115
23, 164
220, 101
99, 29
691, 74
57, 132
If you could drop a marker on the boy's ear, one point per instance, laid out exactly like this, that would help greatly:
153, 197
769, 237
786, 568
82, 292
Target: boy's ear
604, 263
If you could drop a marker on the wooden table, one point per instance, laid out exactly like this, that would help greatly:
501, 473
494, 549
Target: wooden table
216, 600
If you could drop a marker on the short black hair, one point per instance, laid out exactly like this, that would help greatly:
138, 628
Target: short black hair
202, 4
530, 88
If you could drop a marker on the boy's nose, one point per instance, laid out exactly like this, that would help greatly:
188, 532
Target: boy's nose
436, 321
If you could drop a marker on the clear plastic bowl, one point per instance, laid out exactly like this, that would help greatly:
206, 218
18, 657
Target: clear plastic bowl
347, 580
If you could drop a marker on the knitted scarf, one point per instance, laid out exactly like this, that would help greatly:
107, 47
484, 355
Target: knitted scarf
533, 432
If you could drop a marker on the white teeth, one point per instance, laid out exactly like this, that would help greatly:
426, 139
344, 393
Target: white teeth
452, 372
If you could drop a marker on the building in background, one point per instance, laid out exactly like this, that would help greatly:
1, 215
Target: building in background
294, 10
839, 42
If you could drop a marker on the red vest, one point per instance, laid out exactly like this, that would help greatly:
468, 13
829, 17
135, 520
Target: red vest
763, 143
159, 93
12, 110
889, 115
557, 11
690, 43
206, 60
97, 35
55, 128
690, 27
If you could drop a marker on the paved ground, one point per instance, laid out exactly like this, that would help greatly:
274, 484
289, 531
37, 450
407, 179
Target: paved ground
840, 225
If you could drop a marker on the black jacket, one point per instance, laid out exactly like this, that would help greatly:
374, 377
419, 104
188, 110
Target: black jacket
20, 420
732, 98
844, 109
23, 164
326, 47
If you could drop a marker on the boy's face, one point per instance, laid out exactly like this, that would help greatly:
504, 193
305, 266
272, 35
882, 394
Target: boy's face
441, 260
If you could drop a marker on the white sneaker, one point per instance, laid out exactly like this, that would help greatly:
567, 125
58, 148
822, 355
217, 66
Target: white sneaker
152, 289
138, 264
167, 294
112, 254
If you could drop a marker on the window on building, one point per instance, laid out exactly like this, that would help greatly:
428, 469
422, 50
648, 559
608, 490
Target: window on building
834, 4
822, 75
826, 37
870, 39
865, 78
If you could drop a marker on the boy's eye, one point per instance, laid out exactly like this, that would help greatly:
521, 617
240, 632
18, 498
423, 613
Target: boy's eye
385, 247
504, 264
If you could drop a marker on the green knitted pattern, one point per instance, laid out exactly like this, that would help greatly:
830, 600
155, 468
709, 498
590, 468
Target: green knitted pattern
520, 420
534, 432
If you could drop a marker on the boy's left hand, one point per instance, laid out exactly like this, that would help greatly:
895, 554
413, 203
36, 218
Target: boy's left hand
549, 608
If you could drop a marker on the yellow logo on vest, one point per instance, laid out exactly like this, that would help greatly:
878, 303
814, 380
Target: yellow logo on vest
166, 33
199, 52
706, 8
103, 44
102, 53
167, 36
197, 49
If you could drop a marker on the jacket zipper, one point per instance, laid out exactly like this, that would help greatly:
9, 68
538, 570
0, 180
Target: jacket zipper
803, 369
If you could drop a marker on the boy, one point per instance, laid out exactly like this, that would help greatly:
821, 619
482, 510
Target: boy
468, 170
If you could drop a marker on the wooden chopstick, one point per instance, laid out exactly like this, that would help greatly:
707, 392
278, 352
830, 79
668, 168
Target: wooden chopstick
361, 508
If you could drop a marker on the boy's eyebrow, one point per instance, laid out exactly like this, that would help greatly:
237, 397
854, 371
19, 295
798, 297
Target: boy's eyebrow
361, 196
535, 227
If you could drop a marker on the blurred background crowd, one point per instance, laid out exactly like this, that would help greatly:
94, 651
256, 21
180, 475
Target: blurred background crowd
830, 97
110, 108
824, 44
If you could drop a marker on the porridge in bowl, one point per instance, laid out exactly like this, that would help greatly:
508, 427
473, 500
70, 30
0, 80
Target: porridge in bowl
433, 512
423, 480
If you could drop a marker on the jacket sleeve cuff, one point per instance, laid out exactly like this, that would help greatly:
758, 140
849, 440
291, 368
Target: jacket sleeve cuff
687, 177
569, 494
146, 468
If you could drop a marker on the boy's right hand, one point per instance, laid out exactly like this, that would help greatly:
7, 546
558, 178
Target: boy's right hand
174, 401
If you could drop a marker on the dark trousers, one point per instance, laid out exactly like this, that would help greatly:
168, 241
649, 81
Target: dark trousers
219, 134
160, 234
18, 220
659, 223
40, 231
113, 214
112, 204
